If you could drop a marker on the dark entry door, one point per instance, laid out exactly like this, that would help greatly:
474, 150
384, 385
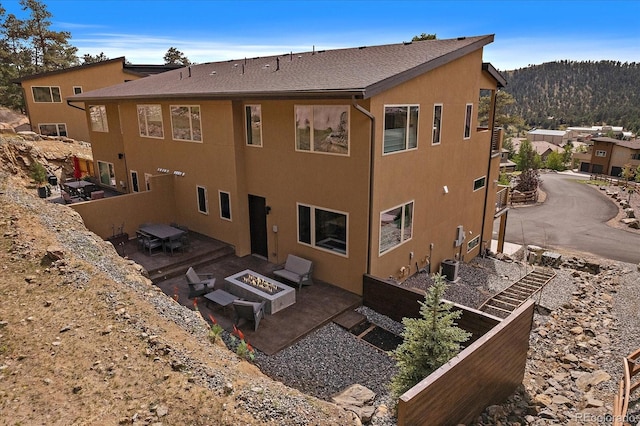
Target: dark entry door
258, 225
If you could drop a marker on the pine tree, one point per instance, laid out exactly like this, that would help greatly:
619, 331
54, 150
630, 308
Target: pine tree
429, 341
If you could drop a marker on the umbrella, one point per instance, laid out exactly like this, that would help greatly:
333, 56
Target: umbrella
77, 173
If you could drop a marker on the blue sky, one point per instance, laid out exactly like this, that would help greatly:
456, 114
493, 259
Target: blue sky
526, 32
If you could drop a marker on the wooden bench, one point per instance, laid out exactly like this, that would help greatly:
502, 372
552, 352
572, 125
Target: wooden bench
296, 270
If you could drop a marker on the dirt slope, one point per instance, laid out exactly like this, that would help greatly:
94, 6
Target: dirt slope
86, 339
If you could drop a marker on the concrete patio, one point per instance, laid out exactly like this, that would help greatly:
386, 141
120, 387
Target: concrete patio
315, 306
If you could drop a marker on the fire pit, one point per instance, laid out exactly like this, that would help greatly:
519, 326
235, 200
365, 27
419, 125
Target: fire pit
260, 283
252, 286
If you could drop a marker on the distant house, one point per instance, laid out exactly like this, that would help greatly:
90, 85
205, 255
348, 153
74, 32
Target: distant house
556, 137
609, 156
586, 133
506, 165
541, 147
46, 93
372, 160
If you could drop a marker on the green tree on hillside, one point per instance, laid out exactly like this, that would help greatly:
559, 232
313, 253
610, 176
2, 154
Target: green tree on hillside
527, 157
28, 46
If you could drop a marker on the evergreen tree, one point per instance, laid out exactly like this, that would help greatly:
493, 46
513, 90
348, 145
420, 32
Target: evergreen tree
174, 56
92, 59
429, 341
29, 46
527, 157
424, 36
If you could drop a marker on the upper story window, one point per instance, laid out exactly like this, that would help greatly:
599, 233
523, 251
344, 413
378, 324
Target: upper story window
396, 226
322, 128
400, 128
253, 117
46, 94
53, 129
77, 90
98, 114
322, 228
479, 183
467, 121
150, 121
185, 123
437, 124
601, 153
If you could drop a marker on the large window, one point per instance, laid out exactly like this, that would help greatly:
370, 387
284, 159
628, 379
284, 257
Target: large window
479, 183
467, 121
53, 129
107, 175
322, 128
150, 121
396, 226
400, 128
98, 114
185, 122
225, 205
437, 123
321, 228
203, 202
253, 117
46, 94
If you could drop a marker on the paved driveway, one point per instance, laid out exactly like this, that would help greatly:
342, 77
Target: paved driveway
573, 217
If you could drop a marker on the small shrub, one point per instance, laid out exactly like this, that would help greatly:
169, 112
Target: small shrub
38, 173
429, 341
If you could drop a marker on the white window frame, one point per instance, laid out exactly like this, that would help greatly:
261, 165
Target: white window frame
173, 135
601, 153
52, 101
407, 132
311, 135
312, 224
112, 173
468, 121
206, 199
248, 124
220, 192
403, 240
473, 243
437, 126
57, 128
98, 118
77, 90
484, 183
144, 107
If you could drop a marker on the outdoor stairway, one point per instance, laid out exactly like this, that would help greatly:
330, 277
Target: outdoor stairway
509, 299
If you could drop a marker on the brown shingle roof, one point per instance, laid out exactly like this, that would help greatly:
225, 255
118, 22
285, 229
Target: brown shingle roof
360, 72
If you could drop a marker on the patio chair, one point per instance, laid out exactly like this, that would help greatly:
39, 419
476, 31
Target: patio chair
68, 199
199, 286
174, 243
147, 242
296, 270
251, 311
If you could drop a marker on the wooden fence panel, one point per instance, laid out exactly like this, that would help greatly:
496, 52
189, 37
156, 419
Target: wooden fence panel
486, 372
483, 374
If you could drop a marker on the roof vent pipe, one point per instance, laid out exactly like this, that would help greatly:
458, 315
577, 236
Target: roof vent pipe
242, 69
189, 71
313, 52
277, 64
180, 75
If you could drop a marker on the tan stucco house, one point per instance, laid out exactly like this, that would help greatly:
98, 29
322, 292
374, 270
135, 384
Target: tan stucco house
369, 160
46, 94
609, 156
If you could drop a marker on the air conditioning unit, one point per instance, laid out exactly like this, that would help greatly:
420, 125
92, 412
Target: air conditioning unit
459, 236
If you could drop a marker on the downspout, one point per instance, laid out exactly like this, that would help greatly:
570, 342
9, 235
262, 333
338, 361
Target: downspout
371, 158
73, 106
486, 193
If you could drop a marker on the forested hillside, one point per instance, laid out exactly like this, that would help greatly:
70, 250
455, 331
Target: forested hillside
576, 94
